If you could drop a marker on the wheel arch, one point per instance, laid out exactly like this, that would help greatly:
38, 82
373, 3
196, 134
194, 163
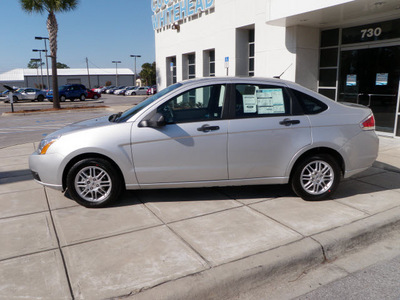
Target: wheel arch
74, 160
320, 150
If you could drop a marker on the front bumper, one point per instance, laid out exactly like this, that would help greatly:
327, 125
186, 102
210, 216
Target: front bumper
46, 169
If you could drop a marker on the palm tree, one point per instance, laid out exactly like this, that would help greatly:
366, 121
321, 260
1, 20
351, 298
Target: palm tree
52, 7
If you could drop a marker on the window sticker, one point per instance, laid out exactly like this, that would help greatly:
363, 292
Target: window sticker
351, 80
381, 79
270, 101
250, 99
249, 104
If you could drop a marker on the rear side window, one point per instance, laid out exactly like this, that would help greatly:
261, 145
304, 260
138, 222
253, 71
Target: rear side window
310, 105
255, 101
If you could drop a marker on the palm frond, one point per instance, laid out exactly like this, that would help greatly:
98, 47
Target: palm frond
32, 6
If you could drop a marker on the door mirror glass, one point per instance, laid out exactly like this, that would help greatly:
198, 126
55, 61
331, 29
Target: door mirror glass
155, 121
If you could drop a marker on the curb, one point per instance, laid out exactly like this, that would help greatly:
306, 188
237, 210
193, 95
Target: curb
228, 280
65, 109
385, 166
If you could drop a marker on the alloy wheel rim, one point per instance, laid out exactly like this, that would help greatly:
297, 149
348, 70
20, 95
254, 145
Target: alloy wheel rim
93, 184
317, 177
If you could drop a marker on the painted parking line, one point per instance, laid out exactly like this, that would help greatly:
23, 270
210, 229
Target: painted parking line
22, 129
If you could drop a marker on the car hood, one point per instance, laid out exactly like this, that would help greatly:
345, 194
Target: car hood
83, 125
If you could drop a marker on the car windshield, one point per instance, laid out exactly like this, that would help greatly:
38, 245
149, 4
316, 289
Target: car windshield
126, 115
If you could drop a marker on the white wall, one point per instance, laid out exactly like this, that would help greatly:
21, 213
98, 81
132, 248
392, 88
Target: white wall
276, 48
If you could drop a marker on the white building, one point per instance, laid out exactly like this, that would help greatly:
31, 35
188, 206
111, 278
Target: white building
97, 77
348, 50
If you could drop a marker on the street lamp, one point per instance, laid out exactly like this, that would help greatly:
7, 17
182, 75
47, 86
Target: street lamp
47, 60
135, 56
41, 69
116, 62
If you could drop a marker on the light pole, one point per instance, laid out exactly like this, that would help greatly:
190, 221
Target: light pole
47, 60
41, 69
37, 68
116, 62
135, 56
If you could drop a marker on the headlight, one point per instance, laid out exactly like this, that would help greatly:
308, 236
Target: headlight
46, 143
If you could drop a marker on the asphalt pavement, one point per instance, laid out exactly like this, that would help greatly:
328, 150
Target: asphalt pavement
184, 243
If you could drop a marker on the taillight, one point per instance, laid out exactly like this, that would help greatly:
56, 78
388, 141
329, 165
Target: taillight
368, 123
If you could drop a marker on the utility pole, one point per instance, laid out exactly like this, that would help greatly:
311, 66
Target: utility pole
47, 59
116, 62
41, 69
135, 56
87, 67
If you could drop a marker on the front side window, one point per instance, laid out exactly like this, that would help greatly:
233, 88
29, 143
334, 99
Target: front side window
255, 101
200, 104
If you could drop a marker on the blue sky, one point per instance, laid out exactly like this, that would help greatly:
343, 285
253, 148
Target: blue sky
101, 30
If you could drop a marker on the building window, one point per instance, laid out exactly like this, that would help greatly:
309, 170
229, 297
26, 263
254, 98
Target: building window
209, 63
212, 63
171, 70
328, 63
251, 51
191, 66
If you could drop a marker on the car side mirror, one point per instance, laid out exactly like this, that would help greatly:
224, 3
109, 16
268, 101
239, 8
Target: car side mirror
155, 121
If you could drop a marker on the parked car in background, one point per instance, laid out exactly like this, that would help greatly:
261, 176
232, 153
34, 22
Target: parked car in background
105, 88
214, 132
112, 90
118, 91
4, 93
128, 90
152, 90
69, 91
140, 90
92, 94
31, 94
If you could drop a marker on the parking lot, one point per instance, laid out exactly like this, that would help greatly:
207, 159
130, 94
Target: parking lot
184, 243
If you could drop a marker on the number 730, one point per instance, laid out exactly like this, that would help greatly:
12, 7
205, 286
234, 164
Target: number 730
371, 32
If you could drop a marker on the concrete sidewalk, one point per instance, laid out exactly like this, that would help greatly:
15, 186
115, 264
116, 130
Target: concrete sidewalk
181, 244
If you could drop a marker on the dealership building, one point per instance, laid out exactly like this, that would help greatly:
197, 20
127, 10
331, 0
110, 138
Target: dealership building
347, 50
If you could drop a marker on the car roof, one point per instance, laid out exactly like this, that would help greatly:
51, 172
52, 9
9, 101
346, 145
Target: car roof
236, 79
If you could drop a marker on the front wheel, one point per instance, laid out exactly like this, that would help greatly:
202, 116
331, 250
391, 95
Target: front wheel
316, 177
62, 98
82, 97
94, 182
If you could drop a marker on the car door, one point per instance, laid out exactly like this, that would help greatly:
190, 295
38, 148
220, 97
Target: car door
263, 135
191, 147
27, 94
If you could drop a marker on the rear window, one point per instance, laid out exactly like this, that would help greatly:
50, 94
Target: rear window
309, 104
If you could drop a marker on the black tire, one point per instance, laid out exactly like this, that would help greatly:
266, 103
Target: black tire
40, 98
94, 182
95, 97
62, 98
15, 99
316, 177
82, 97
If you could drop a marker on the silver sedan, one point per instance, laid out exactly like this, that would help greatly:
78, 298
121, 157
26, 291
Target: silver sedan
27, 94
212, 132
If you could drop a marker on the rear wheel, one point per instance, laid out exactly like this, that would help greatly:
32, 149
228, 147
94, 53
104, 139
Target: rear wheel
316, 177
40, 98
94, 182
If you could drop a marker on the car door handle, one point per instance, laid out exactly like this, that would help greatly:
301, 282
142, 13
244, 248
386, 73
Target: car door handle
288, 122
207, 128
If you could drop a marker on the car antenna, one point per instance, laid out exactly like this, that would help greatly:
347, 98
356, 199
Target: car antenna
279, 77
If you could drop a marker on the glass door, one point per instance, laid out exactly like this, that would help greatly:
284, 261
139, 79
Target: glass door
370, 76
